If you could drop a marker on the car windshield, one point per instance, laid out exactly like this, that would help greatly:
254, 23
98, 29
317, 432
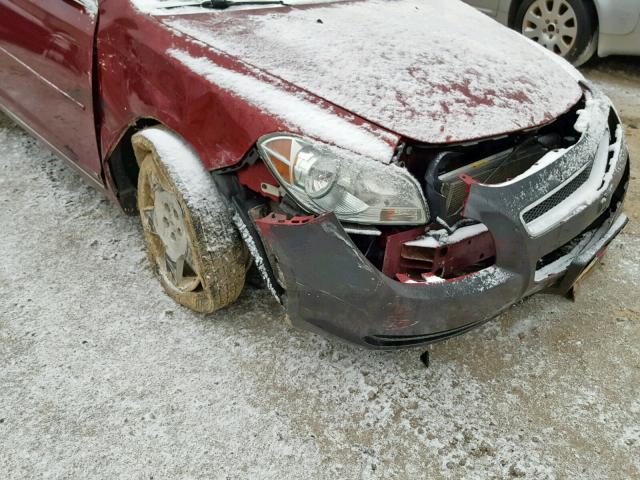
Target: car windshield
164, 7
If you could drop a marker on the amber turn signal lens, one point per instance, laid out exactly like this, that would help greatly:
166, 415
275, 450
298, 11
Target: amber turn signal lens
280, 149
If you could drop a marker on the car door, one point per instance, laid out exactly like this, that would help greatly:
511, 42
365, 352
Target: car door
490, 7
46, 74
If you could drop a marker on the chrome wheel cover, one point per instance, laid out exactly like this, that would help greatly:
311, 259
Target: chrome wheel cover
553, 24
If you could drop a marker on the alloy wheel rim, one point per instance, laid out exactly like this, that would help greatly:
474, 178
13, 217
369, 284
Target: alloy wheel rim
553, 24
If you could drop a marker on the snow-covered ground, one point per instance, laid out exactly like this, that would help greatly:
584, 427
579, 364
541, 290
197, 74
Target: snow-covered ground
102, 376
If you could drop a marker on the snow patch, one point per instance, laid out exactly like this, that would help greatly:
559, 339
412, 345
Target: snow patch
630, 436
182, 162
431, 279
185, 7
491, 277
441, 238
255, 254
297, 110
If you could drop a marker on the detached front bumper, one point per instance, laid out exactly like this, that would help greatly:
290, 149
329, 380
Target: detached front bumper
331, 286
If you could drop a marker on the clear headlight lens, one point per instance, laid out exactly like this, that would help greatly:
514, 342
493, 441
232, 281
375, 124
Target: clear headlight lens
325, 179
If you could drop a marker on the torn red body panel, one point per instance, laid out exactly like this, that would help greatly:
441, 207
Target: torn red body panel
280, 219
447, 260
258, 178
265, 224
393, 263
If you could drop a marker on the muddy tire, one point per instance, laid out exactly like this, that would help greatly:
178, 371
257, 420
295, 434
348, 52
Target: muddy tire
192, 243
566, 27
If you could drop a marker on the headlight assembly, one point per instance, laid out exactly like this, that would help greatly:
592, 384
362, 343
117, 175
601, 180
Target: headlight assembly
326, 179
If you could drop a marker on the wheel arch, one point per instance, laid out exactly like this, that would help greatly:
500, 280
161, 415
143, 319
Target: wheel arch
121, 168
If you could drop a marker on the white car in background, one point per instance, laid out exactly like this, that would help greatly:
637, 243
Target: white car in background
574, 29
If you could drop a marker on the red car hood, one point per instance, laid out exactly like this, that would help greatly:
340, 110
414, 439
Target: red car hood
435, 71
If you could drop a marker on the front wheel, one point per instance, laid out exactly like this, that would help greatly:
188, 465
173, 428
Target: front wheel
566, 27
192, 243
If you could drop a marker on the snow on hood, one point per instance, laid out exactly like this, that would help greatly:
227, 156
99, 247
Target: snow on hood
435, 71
297, 110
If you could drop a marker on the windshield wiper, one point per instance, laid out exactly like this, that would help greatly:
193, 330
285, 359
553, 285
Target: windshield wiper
224, 4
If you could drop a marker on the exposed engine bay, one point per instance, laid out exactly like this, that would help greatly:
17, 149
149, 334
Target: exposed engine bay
446, 173
451, 245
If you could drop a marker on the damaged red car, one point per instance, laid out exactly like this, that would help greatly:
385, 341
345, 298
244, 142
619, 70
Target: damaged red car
395, 172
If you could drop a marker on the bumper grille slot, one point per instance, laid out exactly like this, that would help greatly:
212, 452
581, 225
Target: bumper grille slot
559, 196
